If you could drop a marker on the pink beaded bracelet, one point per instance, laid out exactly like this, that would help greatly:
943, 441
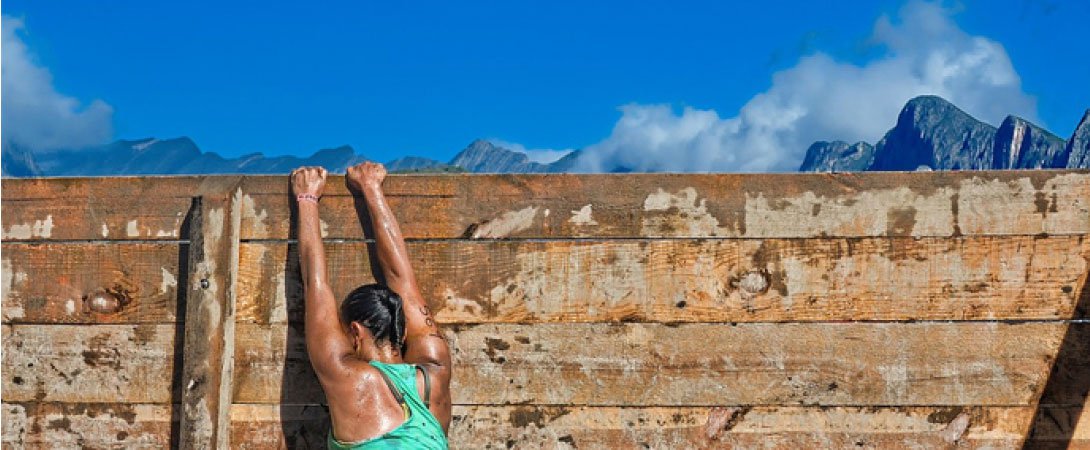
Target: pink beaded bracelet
308, 197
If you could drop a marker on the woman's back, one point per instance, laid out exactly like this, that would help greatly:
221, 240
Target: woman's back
421, 430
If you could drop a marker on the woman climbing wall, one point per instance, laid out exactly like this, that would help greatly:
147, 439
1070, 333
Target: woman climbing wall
381, 361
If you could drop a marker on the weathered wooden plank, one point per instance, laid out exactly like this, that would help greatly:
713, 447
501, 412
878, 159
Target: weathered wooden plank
159, 218
706, 364
86, 425
144, 208
75, 363
208, 365
53, 425
532, 426
687, 205
747, 280
91, 282
18, 189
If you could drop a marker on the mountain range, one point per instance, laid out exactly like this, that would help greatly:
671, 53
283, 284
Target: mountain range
930, 133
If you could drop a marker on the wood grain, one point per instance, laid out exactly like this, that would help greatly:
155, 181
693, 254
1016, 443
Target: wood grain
533, 427
58, 283
845, 364
53, 425
35, 425
96, 364
122, 208
208, 364
941, 204
748, 280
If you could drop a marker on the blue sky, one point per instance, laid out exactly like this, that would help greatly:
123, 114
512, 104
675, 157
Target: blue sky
393, 79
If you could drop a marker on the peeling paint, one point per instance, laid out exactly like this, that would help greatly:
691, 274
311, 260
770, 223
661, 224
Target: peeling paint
8, 279
39, 229
456, 303
956, 428
507, 224
257, 224
169, 281
582, 216
685, 215
900, 211
131, 229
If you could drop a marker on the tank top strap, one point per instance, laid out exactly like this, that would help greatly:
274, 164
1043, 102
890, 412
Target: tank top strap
395, 391
427, 386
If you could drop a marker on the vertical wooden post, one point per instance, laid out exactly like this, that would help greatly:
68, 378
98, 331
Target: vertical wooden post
208, 360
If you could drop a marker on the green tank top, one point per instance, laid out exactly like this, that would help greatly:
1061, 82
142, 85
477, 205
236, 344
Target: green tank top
420, 431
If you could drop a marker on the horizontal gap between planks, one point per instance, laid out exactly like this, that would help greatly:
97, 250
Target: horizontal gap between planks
713, 405
666, 238
1080, 321
96, 241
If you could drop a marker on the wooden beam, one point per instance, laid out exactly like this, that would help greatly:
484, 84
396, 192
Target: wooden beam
86, 425
732, 280
210, 316
536, 426
92, 282
48, 425
831, 364
57, 209
79, 363
942, 204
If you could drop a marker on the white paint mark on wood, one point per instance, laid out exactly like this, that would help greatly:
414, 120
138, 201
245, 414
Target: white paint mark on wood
8, 280
131, 229
39, 229
582, 216
260, 228
70, 307
105, 230
509, 223
169, 281
686, 215
456, 303
956, 428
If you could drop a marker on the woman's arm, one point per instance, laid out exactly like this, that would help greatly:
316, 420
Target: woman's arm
423, 343
327, 344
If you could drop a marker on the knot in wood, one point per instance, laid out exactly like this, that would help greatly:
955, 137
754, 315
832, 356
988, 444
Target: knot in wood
103, 302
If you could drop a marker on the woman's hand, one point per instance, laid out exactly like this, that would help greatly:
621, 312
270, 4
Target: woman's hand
308, 181
368, 174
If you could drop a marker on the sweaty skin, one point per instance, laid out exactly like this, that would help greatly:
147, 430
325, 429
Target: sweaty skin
360, 404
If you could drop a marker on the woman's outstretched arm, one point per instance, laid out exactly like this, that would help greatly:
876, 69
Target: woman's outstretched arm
423, 343
327, 344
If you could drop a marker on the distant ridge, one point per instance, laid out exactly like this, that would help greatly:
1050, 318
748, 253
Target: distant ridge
930, 133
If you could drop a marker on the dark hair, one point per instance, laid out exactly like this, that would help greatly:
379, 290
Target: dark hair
377, 308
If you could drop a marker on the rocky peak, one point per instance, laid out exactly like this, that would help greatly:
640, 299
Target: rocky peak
1078, 147
932, 132
838, 156
1020, 144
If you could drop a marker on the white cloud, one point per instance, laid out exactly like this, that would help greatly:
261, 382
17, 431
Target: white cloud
538, 155
821, 98
34, 114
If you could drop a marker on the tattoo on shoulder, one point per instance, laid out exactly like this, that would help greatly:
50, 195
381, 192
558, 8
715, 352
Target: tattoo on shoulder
428, 320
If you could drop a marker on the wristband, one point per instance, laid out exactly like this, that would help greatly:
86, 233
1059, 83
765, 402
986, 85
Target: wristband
307, 197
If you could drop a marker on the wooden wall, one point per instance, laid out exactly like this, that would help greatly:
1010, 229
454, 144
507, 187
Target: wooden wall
938, 309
